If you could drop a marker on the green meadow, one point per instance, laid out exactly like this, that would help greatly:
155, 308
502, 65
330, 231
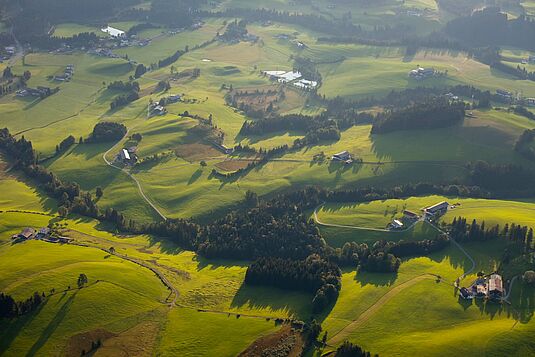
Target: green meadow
410, 313
126, 304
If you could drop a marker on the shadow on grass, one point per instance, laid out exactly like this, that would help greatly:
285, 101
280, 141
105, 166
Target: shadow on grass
295, 303
10, 329
375, 279
52, 326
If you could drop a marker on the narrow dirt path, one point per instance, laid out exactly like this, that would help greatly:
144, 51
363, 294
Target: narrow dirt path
343, 334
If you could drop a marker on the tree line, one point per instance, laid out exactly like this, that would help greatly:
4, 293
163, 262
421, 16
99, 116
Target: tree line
313, 274
462, 231
9, 308
434, 113
491, 27
508, 178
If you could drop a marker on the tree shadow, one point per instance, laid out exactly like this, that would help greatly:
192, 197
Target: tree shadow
196, 175
375, 279
52, 326
262, 297
212, 264
11, 328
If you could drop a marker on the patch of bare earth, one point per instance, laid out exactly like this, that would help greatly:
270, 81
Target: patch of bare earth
139, 341
232, 165
83, 342
285, 342
196, 152
183, 274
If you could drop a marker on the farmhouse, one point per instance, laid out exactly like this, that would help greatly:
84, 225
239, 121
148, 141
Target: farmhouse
530, 102
27, 233
422, 73
43, 233
127, 156
397, 224
495, 287
173, 98
113, 32
224, 149
306, 84
158, 110
504, 94
342, 156
439, 208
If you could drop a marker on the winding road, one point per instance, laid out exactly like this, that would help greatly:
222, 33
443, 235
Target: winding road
140, 189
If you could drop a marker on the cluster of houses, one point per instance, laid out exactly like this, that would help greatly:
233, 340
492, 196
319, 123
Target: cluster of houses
409, 218
158, 108
485, 287
41, 92
127, 156
44, 234
511, 97
293, 77
67, 74
422, 73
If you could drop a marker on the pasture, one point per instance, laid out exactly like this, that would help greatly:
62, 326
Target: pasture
411, 313
377, 214
124, 303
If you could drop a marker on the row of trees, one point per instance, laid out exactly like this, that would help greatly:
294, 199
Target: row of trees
10, 308
462, 231
384, 256
65, 144
313, 274
124, 86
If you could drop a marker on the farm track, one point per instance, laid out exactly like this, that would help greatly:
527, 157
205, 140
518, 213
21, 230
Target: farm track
341, 335
366, 315
174, 291
140, 189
